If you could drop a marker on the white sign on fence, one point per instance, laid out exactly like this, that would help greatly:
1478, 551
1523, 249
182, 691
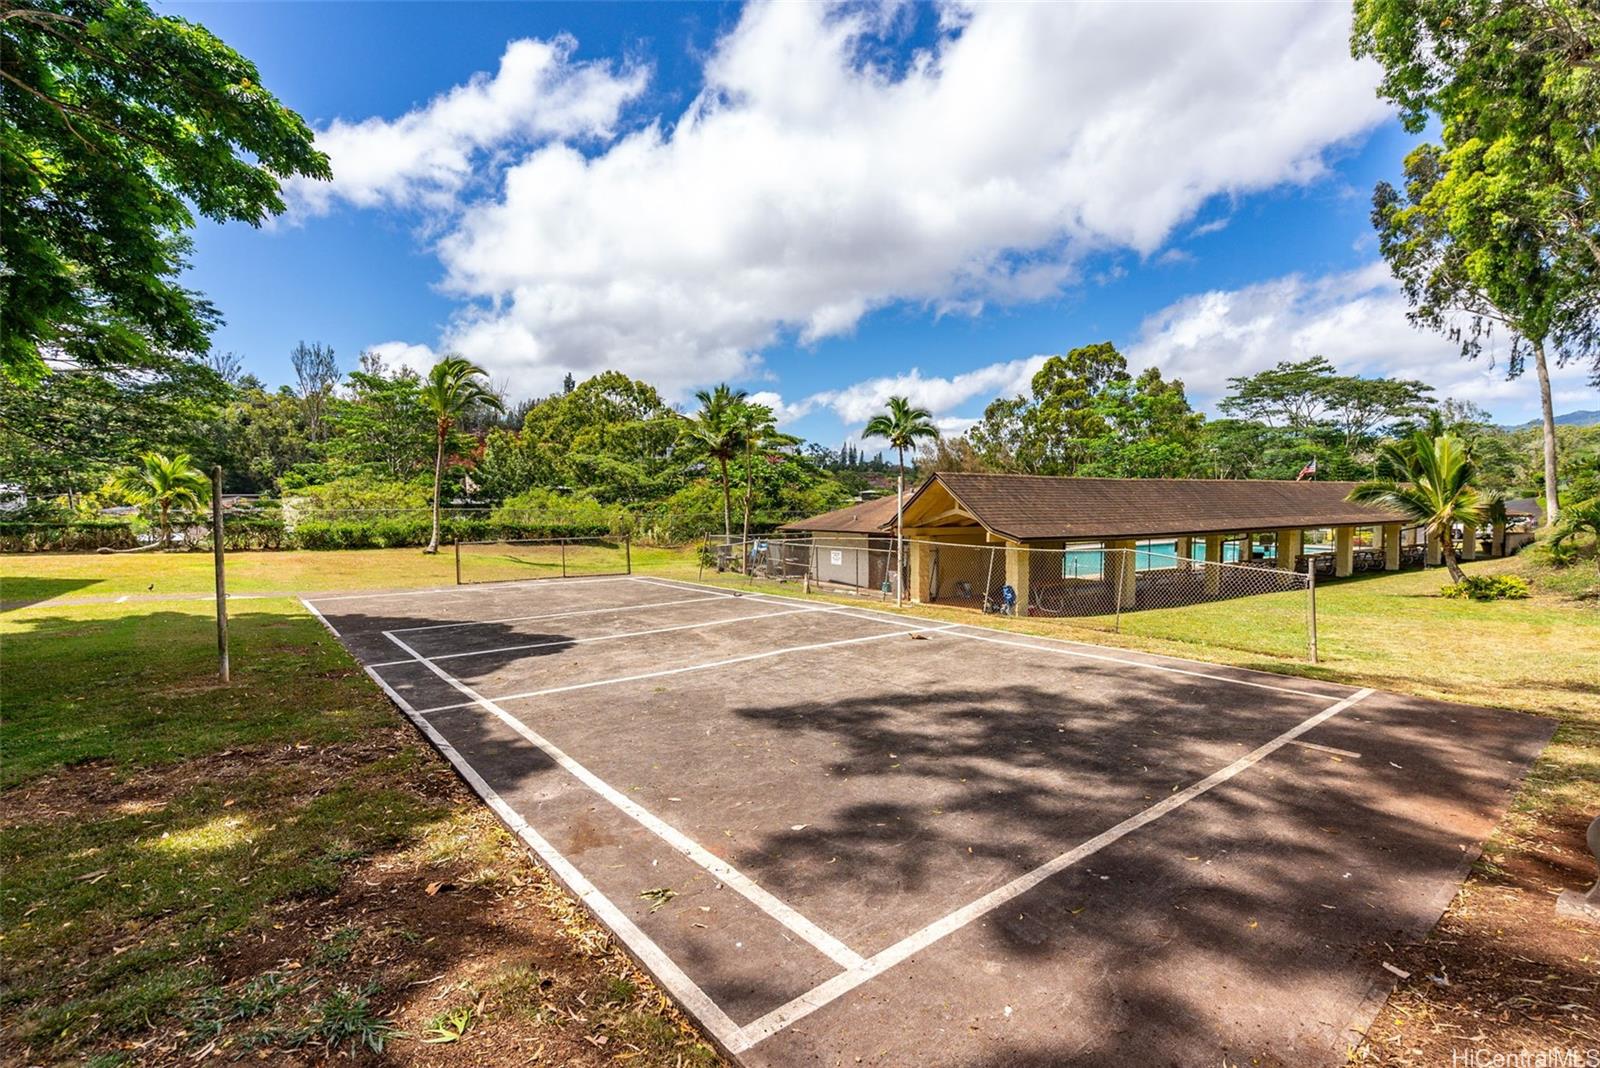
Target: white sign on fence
836, 557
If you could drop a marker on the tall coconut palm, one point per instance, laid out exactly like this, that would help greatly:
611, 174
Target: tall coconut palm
165, 482
453, 386
759, 429
715, 428
1428, 479
902, 426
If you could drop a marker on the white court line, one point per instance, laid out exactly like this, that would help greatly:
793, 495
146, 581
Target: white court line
695, 667
644, 949
1329, 749
880, 962
632, 633
487, 587
313, 610
1060, 646
730, 876
556, 615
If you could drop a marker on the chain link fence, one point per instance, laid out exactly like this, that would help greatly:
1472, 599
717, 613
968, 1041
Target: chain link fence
1254, 607
519, 559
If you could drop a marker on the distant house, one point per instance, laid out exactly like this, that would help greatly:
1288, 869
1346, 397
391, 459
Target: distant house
849, 543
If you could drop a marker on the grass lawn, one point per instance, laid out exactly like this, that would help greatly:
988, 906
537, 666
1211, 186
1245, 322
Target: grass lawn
186, 863
277, 868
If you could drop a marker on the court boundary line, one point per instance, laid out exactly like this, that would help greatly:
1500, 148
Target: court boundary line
1011, 638
628, 634
484, 587
823, 942
831, 989
555, 615
524, 695
684, 990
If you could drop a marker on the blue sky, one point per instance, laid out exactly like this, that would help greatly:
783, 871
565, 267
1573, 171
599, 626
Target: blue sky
827, 205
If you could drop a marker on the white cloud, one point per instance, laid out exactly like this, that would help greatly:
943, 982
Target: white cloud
397, 354
1357, 319
810, 183
426, 157
855, 404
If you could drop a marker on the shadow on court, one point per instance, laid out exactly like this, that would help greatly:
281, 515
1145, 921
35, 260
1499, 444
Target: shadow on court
883, 791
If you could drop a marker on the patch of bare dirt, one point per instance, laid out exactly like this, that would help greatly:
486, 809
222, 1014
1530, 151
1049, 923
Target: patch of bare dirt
1501, 974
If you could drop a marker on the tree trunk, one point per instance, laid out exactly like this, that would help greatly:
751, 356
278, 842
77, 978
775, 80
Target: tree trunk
438, 482
899, 530
749, 487
727, 501
1447, 547
1552, 506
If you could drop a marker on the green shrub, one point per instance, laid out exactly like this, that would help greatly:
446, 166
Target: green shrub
1489, 588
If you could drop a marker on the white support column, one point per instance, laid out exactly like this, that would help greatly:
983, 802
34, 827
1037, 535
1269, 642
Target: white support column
921, 558
1288, 548
1435, 550
1469, 541
1497, 546
1122, 571
1213, 556
1185, 548
1017, 568
1344, 551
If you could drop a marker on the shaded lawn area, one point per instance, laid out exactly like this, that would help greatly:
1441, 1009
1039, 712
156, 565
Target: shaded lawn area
278, 868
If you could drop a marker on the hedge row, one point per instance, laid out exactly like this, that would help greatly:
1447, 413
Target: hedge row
266, 530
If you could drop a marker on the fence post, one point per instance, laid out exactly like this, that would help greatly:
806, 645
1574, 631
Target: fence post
457, 543
1311, 613
222, 582
705, 550
627, 551
1117, 582
563, 557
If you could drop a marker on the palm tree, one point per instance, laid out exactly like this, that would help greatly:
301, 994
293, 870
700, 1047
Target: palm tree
715, 428
1580, 518
165, 481
1428, 479
454, 386
759, 430
902, 426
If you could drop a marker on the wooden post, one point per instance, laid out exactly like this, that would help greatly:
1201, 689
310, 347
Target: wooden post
222, 581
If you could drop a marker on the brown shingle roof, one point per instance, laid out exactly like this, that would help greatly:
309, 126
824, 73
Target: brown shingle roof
1040, 507
864, 517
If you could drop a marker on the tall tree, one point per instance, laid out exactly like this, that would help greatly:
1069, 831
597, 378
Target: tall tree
1061, 421
1499, 225
316, 374
1430, 480
715, 429
759, 430
454, 385
902, 426
166, 482
116, 125
1294, 393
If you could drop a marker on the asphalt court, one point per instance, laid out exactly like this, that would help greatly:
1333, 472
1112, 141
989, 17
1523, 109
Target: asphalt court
908, 841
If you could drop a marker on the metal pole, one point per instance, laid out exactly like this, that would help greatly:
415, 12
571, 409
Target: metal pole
563, 557
1121, 562
705, 550
222, 582
627, 551
457, 543
1311, 613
